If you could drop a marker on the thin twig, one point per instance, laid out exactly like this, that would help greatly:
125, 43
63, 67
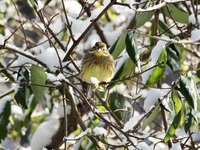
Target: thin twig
172, 17
96, 26
76, 113
171, 40
14, 31
23, 31
97, 114
87, 29
18, 51
68, 23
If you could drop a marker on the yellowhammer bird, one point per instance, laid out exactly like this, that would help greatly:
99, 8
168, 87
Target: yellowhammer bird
97, 63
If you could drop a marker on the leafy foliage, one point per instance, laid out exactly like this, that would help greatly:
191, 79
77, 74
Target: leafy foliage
4, 118
131, 47
38, 79
22, 91
159, 70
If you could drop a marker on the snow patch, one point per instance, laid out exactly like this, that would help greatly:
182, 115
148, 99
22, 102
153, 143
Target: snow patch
131, 123
73, 8
176, 146
50, 57
1, 39
100, 131
193, 20
156, 51
155, 7
196, 137
152, 98
96, 12
195, 35
44, 133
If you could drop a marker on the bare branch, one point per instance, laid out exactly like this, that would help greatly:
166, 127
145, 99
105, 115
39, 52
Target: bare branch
87, 29
18, 51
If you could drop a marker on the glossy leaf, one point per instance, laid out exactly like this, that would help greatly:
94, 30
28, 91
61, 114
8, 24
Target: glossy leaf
163, 28
172, 10
4, 118
21, 95
29, 111
151, 117
189, 90
176, 100
26, 9
173, 127
116, 102
188, 121
38, 79
131, 47
142, 18
118, 46
159, 70
173, 58
125, 70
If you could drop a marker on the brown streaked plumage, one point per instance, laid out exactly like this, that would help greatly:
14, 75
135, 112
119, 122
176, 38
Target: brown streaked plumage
97, 63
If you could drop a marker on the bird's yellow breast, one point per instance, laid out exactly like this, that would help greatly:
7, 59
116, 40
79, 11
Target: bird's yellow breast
97, 63
100, 67
101, 73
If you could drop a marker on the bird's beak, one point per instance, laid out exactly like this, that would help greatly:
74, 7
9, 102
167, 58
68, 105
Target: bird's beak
99, 49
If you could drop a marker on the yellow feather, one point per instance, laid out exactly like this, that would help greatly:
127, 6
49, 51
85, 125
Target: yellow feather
97, 63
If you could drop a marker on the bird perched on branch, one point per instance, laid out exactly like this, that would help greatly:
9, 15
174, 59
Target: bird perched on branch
97, 64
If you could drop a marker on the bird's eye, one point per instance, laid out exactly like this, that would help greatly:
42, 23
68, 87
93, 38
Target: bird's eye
95, 47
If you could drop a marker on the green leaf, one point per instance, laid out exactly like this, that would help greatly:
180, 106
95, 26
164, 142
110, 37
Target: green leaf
124, 71
2, 28
151, 117
178, 105
29, 111
173, 57
38, 79
142, 18
64, 36
188, 121
159, 70
26, 9
173, 126
118, 46
163, 28
116, 102
21, 95
4, 117
131, 47
179, 15
189, 90
176, 100
164, 105
6, 73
